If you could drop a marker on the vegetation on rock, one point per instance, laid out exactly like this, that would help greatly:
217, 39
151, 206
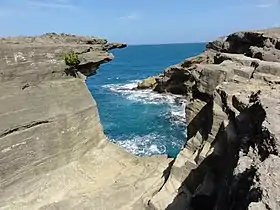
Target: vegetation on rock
71, 59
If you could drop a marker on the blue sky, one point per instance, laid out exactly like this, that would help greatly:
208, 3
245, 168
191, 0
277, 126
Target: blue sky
138, 21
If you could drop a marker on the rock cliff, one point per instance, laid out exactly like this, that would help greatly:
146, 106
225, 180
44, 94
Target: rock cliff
231, 157
53, 153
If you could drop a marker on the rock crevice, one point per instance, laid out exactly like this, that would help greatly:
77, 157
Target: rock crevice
232, 116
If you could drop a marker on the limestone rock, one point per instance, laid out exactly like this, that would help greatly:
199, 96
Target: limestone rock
53, 152
150, 82
113, 45
231, 156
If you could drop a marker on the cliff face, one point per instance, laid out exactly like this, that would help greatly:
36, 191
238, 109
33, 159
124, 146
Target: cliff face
53, 153
231, 157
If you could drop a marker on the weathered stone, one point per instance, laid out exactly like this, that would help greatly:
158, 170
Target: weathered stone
53, 152
211, 76
231, 155
150, 82
54, 155
113, 45
269, 179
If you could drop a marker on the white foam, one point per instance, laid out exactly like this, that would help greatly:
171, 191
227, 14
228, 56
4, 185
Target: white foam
149, 144
178, 112
142, 145
175, 103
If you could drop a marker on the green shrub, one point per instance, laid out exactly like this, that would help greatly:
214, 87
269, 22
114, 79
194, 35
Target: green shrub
71, 59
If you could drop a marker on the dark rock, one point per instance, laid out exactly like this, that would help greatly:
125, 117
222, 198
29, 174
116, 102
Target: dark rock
115, 45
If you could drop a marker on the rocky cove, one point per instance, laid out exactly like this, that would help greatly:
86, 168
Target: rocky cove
54, 154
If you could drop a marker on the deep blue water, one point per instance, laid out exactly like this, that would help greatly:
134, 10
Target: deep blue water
143, 122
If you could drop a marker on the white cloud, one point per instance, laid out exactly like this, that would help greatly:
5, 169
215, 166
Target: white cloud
264, 5
129, 17
56, 4
267, 3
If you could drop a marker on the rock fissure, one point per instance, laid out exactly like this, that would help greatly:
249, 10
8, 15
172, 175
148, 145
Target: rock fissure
23, 127
230, 160
232, 116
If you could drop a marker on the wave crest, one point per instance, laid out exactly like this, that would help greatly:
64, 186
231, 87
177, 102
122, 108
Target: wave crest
176, 103
151, 144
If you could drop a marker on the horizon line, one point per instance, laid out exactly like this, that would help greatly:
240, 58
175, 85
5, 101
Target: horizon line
169, 43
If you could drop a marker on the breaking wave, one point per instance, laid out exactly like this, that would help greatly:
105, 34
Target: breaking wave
175, 103
151, 144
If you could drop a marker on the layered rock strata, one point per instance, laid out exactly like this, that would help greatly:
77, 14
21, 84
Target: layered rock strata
53, 153
231, 157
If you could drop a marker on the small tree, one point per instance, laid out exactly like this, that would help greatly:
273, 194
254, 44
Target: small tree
71, 59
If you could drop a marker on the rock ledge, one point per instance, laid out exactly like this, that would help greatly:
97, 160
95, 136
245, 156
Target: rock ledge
231, 157
53, 152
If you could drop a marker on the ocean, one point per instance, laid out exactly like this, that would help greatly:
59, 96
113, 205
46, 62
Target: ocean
142, 122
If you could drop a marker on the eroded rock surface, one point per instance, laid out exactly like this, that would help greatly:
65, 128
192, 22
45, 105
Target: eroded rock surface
149, 82
231, 157
53, 153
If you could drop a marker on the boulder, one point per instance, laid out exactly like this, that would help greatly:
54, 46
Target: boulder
150, 82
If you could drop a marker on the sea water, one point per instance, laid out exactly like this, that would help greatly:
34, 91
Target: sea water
141, 121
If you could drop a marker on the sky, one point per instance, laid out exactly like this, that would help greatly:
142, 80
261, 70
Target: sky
138, 21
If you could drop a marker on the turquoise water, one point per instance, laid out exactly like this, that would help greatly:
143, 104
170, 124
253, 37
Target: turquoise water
143, 122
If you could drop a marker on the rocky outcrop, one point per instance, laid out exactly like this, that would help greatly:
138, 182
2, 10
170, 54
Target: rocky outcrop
149, 82
231, 157
113, 45
53, 153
